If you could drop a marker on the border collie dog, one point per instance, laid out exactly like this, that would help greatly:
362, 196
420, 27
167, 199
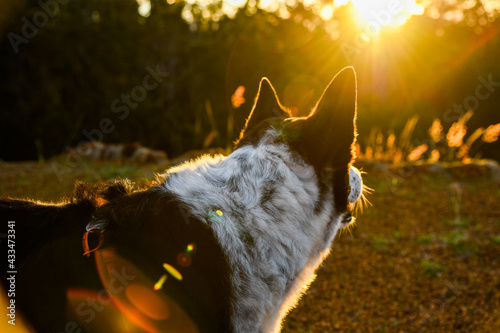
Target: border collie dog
219, 244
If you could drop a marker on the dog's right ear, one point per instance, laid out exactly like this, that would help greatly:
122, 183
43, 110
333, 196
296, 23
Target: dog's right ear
329, 132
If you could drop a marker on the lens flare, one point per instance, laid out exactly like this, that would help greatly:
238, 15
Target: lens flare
147, 301
138, 304
172, 271
190, 248
184, 259
161, 281
108, 312
216, 216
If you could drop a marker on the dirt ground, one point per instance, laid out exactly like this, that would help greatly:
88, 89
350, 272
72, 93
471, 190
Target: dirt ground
425, 257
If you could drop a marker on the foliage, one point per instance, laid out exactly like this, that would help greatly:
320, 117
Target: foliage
437, 146
65, 79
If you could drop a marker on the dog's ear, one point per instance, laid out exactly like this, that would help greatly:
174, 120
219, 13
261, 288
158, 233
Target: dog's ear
266, 105
329, 132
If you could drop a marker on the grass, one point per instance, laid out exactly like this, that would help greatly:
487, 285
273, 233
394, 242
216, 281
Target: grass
456, 237
380, 243
461, 242
458, 222
496, 239
409, 266
425, 239
397, 234
431, 268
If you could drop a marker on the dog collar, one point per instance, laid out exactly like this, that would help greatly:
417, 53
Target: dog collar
85, 241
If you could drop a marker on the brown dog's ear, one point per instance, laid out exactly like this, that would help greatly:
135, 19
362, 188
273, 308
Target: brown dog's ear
266, 105
329, 132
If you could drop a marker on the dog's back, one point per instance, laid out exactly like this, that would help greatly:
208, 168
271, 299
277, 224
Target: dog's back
217, 245
42, 241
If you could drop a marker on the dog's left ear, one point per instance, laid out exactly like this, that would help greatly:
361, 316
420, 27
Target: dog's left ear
329, 132
267, 105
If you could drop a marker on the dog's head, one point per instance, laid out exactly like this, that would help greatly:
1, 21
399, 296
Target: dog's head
262, 218
324, 140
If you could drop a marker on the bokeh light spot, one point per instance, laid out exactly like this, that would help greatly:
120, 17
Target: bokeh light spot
216, 216
184, 259
172, 271
237, 98
161, 281
191, 247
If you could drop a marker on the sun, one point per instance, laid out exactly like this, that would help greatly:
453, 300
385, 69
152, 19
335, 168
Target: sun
377, 15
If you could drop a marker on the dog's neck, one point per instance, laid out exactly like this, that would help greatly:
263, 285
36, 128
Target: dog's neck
272, 224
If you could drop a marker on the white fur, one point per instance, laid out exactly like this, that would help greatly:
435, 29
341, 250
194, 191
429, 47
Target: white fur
291, 237
356, 185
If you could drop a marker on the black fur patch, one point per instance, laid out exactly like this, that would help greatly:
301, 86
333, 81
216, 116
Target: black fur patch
146, 227
149, 229
49, 252
341, 189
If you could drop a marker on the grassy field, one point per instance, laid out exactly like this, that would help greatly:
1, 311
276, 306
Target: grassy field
424, 258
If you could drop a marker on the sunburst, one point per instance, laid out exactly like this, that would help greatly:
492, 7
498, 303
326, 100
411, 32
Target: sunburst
376, 15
